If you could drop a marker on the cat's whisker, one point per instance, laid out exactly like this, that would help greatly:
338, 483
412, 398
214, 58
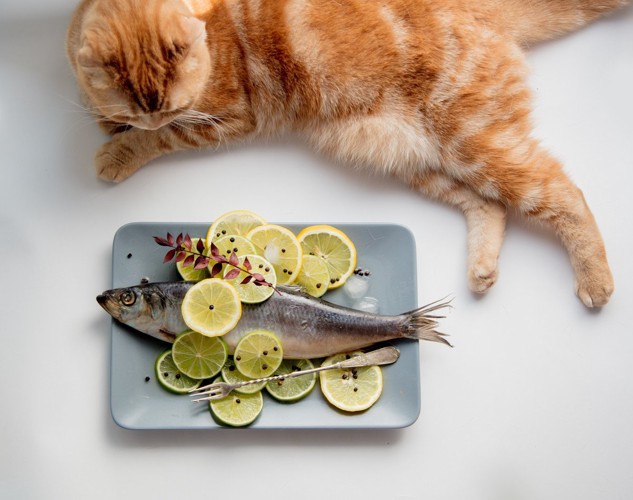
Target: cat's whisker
193, 117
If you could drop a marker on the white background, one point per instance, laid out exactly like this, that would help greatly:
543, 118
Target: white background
534, 401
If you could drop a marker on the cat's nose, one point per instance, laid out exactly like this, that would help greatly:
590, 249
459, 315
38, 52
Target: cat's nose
153, 121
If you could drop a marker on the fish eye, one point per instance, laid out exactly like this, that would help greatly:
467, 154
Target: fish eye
128, 298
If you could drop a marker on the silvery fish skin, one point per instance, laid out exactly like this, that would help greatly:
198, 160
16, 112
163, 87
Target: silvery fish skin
306, 326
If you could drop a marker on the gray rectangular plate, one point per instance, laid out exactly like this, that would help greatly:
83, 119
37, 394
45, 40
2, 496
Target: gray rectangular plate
386, 250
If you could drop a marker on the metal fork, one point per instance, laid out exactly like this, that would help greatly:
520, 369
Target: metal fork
218, 390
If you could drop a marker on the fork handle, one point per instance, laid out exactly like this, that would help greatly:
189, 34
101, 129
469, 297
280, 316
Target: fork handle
382, 356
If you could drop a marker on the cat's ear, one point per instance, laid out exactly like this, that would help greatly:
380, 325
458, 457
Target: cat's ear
91, 61
194, 30
87, 57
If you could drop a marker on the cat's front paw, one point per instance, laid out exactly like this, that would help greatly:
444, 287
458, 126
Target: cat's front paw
115, 161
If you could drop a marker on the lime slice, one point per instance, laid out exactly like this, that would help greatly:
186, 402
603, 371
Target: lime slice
189, 273
237, 410
258, 354
351, 389
292, 389
252, 293
234, 222
211, 307
334, 247
170, 377
280, 247
199, 356
231, 375
314, 276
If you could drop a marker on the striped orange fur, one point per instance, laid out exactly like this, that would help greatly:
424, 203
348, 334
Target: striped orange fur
431, 91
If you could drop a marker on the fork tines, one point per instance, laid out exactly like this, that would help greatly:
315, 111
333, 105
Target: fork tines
210, 392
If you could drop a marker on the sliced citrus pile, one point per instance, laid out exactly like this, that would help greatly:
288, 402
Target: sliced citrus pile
251, 292
292, 389
280, 247
314, 276
211, 307
235, 222
351, 389
170, 377
334, 247
199, 356
231, 375
237, 409
258, 354
189, 273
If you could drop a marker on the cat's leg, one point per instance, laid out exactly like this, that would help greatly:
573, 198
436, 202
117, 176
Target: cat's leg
128, 151
540, 190
485, 222
389, 144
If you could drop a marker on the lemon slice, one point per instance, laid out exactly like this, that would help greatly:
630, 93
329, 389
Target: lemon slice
258, 354
199, 356
280, 247
351, 389
170, 377
237, 409
314, 276
290, 390
251, 293
234, 222
334, 247
232, 243
211, 307
189, 273
231, 375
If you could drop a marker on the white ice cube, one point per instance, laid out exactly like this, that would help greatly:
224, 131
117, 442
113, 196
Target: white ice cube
271, 253
367, 304
355, 287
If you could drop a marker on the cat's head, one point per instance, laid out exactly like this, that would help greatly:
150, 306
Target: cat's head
143, 62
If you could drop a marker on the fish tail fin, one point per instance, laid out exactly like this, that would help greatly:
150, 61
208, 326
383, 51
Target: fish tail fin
421, 323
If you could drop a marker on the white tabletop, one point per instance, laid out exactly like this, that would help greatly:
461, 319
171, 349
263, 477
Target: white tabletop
534, 402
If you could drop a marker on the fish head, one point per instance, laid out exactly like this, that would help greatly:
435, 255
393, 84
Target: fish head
141, 307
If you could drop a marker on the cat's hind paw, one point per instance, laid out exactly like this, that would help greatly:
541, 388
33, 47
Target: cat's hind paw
594, 291
481, 278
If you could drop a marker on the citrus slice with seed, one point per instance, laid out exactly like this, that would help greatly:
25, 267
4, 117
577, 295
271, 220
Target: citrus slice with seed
189, 272
334, 247
231, 375
234, 243
351, 389
252, 291
229, 244
237, 409
258, 354
211, 307
170, 377
279, 246
292, 389
234, 222
199, 356
314, 276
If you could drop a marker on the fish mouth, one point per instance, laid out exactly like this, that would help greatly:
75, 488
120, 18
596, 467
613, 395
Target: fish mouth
106, 301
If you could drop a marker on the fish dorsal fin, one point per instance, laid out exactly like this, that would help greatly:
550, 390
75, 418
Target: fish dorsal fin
291, 288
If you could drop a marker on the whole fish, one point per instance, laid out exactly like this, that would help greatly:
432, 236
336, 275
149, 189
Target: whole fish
306, 326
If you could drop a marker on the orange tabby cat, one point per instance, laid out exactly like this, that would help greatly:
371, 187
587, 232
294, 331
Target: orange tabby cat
431, 91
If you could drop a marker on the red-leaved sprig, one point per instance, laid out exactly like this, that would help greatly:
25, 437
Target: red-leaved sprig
183, 250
